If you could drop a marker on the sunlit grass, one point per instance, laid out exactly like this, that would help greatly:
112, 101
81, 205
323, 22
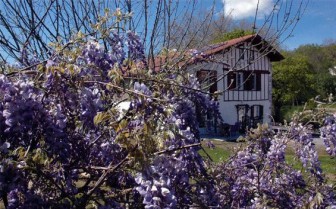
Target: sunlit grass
224, 150
333, 105
216, 154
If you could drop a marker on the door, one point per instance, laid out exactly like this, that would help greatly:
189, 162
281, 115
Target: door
242, 117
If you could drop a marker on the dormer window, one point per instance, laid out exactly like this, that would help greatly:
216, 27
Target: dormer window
251, 55
241, 53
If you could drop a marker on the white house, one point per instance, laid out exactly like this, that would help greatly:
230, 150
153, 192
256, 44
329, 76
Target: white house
240, 71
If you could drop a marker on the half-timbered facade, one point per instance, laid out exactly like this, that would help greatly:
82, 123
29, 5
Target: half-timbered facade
240, 71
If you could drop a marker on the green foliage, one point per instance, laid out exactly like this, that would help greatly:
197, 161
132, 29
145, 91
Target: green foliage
310, 105
288, 111
320, 57
293, 80
303, 75
314, 54
325, 84
236, 33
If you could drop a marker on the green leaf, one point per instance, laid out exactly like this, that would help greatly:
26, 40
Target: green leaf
100, 117
20, 152
39, 157
122, 125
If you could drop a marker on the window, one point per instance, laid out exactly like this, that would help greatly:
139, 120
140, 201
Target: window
235, 81
242, 118
257, 114
252, 81
241, 112
247, 81
257, 111
207, 80
249, 116
231, 80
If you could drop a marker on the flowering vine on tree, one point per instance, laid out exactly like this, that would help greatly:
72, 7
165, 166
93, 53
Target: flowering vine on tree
65, 142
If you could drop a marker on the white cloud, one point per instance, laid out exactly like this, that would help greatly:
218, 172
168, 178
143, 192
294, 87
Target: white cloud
240, 9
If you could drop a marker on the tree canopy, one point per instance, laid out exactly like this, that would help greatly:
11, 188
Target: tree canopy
293, 80
312, 65
235, 33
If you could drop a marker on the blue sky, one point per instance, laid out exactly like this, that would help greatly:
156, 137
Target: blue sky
317, 24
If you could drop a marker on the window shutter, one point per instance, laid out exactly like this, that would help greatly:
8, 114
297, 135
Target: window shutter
207, 80
201, 75
252, 111
261, 111
213, 81
258, 81
241, 54
231, 80
248, 85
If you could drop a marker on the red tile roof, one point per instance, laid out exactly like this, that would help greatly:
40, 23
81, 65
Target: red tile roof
256, 41
185, 58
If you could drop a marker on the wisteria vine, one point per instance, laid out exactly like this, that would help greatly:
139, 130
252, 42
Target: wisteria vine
66, 143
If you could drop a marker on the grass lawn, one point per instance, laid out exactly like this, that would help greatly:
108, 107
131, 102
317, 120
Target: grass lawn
332, 105
224, 149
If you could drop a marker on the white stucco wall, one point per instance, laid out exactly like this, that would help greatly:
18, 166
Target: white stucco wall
263, 97
229, 113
